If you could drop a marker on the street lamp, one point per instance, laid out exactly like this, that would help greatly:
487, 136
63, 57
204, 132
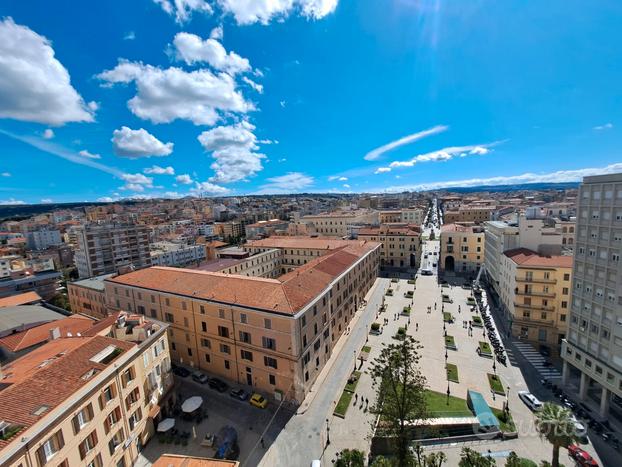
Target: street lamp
445, 355
448, 392
494, 365
327, 433
507, 399
366, 333
355, 360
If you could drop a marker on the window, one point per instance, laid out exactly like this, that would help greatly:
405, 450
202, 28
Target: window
49, 449
227, 365
203, 326
245, 337
224, 348
246, 355
243, 318
127, 376
221, 313
107, 395
303, 321
88, 444
97, 462
116, 441
267, 323
169, 317
82, 418
268, 343
202, 308
272, 379
223, 331
135, 418
206, 343
270, 362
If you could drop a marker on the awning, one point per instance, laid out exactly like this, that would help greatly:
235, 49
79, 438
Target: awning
166, 425
191, 404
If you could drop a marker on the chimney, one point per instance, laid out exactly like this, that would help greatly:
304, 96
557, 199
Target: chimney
54, 333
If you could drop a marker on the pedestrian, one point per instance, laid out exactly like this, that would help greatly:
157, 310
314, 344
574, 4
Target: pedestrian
416, 326
356, 396
366, 402
435, 305
262, 444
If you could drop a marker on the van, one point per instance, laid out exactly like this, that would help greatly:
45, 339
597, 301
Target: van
530, 400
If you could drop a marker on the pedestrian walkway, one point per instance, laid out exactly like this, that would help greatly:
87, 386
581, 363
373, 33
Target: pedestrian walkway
537, 360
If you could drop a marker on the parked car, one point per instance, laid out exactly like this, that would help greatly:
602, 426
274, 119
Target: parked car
200, 377
217, 384
530, 400
258, 401
582, 457
239, 393
180, 371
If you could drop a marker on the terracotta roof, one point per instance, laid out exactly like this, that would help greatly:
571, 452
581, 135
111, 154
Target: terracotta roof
526, 257
287, 294
21, 299
216, 244
459, 228
176, 460
22, 340
314, 243
48, 376
389, 230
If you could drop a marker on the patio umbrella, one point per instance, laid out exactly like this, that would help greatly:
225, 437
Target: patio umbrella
166, 425
191, 404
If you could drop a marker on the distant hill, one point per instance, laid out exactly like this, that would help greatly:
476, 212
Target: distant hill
517, 187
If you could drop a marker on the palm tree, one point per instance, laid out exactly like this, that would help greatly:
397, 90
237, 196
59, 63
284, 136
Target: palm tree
556, 425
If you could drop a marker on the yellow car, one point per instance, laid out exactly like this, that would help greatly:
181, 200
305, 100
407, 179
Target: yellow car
258, 401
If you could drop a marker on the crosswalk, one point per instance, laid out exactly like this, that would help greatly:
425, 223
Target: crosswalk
537, 361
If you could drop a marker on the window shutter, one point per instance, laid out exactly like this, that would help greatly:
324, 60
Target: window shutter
59, 439
76, 426
41, 456
90, 411
94, 435
82, 450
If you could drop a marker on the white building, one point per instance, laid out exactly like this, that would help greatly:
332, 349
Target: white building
500, 237
175, 254
42, 239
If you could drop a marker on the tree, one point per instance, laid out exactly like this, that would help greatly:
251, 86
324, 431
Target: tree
350, 458
381, 461
471, 458
435, 459
513, 460
555, 424
400, 389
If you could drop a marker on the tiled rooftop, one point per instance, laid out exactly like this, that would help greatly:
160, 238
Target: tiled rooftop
526, 257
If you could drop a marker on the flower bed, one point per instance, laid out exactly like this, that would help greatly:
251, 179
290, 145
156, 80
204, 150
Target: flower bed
409, 294
495, 384
484, 349
448, 317
401, 333
406, 311
452, 372
477, 322
450, 343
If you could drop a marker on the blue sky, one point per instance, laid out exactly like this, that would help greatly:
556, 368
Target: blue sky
116, 99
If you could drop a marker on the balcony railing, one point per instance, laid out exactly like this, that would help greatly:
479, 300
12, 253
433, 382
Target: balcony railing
534, 307
531, 321
535, 293
537, 280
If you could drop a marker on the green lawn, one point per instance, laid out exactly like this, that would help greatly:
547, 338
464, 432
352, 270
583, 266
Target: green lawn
452, 372
366, 349
438, 407
484, 348
344, 402
450, 342
352, 386
495, 384
505, 419
447, 317
477, 321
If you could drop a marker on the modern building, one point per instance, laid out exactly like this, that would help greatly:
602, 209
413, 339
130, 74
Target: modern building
88, 296
462, 249
87, 400
499, 238
535, 293
266, 228
229, 231
43, 238
44, 283
176, 254
401, 246
273, 334
594, 343
105, 248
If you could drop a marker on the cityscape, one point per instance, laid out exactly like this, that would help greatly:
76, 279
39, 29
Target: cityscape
310, 233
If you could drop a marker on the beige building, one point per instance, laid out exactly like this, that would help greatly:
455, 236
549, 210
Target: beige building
272, 334
88, 296
339, 223
386, 217
86, 400
401, 246
535, 292
228, 230
462, 249
475, 214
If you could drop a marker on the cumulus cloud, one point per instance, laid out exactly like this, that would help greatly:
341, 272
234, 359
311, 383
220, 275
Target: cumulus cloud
136, 182
191, 49
34, 85
11, 202
130, 36
263, 11
256, 86
138, 143
288, 183
233, 148
216, 33
345, 185
207, 188
6, 174
184, 179
606, 126
47, 200
164, 95
446, 154
182, 10
88, 155
157, 170
105, 199
48, 134
381, 170
376, 153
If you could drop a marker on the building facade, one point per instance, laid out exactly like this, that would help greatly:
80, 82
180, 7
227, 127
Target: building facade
42, 239
462, 249
594, 343
401, 246
175, 254
499, 237
88, 296
336, 223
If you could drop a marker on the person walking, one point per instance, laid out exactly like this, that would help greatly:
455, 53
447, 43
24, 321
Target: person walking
262, 443
416, 326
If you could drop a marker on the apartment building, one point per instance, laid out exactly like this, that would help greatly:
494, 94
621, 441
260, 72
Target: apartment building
86, 400
105, 248
462, 248
272, 334
593, 347
401, 246
386, 217
44, 283
337, 223
266, 228
229, 230
43, 238
414, 216
535, 292
88, 296
475, 214
176, 254
499, 237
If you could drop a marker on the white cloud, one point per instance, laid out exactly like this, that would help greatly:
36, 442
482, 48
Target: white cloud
184, 179
446, 154
47, 200
88, 155
157, 170
11, 202
288, 183
337, 177
263, 11
216, 33
138, 143
130, 36
6, 174
345, 185
282, 159
381, 170
105, 199
233, 149
172, 194
606, 126
48, 134
183, 9
256, 86
164, 95
136, 182
376, 153
207, 188
191, 49
283, 103
559, 176
34, 85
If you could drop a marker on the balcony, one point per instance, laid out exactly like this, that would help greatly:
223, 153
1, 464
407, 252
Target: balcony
535, 294
527, 321
535, 280
534, 307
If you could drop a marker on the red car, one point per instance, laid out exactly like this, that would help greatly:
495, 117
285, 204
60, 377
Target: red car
582, 457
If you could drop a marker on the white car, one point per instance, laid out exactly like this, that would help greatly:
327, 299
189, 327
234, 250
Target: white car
530, 400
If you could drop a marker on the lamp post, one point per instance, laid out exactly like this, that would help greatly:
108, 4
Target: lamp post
366, 333
507, 399
327, 433
445, 355
355, 360
448, 392
494, 365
